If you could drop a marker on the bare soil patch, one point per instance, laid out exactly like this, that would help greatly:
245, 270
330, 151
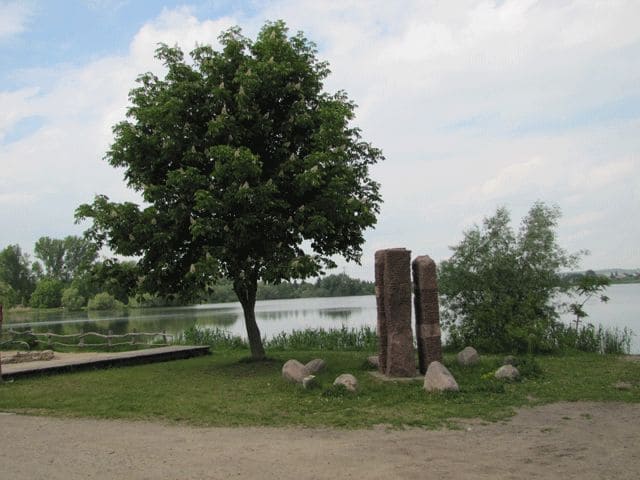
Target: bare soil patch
563, 440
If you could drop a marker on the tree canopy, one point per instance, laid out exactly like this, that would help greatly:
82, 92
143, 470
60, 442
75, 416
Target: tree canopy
248, 169
64, 259
498, 286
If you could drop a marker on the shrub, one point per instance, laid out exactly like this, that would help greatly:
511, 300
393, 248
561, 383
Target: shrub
104, 301
497, 288
72, 300
48, 294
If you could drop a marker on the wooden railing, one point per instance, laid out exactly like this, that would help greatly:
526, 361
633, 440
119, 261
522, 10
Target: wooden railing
49, 339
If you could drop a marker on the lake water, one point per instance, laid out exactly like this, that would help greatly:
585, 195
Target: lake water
275, 316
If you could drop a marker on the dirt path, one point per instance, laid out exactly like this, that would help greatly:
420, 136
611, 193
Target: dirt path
565, 440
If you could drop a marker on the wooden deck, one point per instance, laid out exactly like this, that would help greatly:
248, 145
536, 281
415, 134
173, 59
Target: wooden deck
64, 362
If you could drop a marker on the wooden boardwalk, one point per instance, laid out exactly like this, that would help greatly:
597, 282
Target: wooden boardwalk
64, 362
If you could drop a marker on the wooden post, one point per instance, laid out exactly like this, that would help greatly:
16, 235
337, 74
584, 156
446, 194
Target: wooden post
133, 337
49, 339
109, 339
81, 339
164, 336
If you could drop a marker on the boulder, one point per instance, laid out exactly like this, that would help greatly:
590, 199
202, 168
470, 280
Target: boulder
310, 382
510, 360
468, 356
507, 372
439, 379
374, 361
349, 381
293, 371
623, 386
315, 366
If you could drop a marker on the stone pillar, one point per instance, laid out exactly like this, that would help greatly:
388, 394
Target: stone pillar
393, 296
425, 290
381, 321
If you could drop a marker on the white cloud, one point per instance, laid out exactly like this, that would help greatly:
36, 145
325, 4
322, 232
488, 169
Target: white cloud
475, 104
14, 17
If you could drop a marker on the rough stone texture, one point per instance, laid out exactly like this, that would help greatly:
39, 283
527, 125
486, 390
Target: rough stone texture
22, 357
310, 382
393, 298
510, 360
468, 356
622, 386
315, 366
293, 371
381, 326
373, 361
427, 310
439, 379
507, 372
349, 381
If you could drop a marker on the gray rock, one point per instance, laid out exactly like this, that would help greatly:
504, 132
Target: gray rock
507, 372
622, 386
468, 356
373, 361
439, 379
310, 382
315, 366
510, 360
349, 381
293, 371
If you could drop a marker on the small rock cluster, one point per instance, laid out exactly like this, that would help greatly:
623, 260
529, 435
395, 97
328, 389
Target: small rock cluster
439, 379
22, 357
305, 375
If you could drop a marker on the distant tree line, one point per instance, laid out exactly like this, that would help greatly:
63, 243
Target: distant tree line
337, 285
68, 273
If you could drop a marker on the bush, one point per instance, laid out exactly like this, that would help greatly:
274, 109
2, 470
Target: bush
72, 300
498, 286
48, 294
104, 301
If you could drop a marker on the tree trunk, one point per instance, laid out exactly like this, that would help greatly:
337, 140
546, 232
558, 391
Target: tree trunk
246, 292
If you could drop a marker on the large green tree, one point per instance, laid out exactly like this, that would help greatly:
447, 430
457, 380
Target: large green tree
64, 259
15, 271
249, 170
499, 285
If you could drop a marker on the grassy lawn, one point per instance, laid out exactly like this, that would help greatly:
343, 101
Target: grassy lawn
224, 390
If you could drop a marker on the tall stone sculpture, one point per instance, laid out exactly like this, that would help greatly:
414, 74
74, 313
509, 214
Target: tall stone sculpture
393, 298
425, 290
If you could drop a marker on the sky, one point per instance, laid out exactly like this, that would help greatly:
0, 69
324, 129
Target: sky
475, 104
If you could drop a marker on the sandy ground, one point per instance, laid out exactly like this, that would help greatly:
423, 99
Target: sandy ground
559, 441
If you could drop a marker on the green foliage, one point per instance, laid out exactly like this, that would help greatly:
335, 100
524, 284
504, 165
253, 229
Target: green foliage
64, 259
330, 286
584, 288
498, 286
104, 301
363, 338
589, 338
48, 294
16, 272
7, 295
72, 300
217, 338
241, 157
342, 339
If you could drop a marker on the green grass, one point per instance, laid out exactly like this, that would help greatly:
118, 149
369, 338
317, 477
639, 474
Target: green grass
226, 390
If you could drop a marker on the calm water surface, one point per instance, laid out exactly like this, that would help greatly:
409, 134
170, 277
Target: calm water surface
275, 316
